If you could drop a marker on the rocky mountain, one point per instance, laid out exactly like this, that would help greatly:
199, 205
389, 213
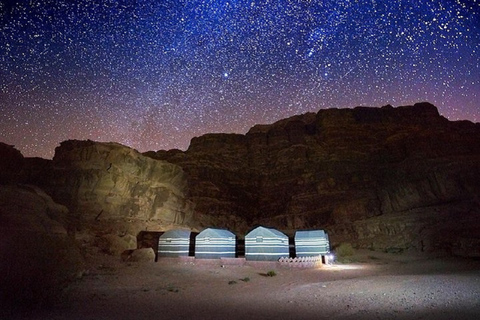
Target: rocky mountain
389, 179
110, 194
11, 164
92, 198
382, 178
113, 191
38, 257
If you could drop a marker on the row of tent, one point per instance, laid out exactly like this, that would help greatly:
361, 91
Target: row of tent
261, 244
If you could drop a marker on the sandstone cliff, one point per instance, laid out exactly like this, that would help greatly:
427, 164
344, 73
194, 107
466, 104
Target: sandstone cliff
112, 193
92, 198
37, 256
383, 178
11, 164
101, 181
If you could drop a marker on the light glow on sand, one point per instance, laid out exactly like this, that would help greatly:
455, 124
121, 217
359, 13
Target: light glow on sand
337, 267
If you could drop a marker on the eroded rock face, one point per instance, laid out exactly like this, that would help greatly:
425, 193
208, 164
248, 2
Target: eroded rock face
139, 255
381, 178
104, 184
112, 192
38, 257
28, 209
25, 208
11, 163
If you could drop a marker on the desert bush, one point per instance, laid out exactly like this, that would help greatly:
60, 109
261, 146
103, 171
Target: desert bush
232, 282
246, 279
393, 250
344, 253
345, 249
271, 273
172, 289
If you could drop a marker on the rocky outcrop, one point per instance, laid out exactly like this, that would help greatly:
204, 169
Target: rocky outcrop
91, 199
38, 257
139, 255
113, 192
11, 163
381, 178
107, 181
28, 209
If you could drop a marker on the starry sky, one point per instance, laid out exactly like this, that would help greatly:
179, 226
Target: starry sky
152, 74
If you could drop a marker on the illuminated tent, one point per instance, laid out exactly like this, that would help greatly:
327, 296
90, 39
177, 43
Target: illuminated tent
176, 243
266, 244
311, 243
215, 244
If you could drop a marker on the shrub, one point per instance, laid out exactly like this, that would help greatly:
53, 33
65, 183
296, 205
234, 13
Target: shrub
172, 289
271, 273
345, 249
393, 250
246, 279
344, 253
232, 282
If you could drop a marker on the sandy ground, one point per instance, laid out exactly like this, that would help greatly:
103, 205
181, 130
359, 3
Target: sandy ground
376, 286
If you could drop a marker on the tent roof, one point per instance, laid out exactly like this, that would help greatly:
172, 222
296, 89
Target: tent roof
176, 233
265, 232
310, 234
212, 232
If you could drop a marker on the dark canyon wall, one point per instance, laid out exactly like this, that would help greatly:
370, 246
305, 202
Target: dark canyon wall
111, 192
382, 178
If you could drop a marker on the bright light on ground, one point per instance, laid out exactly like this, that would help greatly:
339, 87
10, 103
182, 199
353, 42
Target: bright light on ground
335, 267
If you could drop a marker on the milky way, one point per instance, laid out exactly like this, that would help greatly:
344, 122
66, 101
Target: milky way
154, 74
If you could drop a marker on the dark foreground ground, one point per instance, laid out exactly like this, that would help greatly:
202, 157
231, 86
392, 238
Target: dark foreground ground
375, 286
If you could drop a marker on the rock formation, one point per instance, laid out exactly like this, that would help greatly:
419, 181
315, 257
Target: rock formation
108, 181
92, 198
11, 163
37, 256
382, 178
113, 192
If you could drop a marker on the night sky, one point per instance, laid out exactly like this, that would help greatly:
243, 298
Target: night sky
154, 74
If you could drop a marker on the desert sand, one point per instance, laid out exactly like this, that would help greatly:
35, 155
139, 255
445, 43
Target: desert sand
374, 286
